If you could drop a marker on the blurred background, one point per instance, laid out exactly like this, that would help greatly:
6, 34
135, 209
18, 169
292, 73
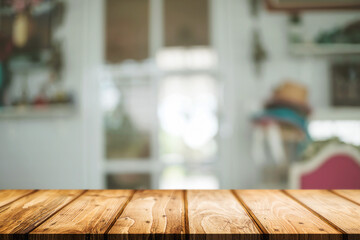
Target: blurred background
182, 94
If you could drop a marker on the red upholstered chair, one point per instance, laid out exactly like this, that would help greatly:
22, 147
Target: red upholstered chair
336, 166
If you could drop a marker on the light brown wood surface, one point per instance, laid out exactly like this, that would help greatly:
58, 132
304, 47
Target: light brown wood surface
180, 214
8, 196
92, 213
25, 214
218, 212
343, 214
352, 195
152, 212
283, 217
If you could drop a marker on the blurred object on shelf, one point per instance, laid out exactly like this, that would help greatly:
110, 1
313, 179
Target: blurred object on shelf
128, 181
345, 84
259, 54
41, 99
346, 34
31, 58
301, 5
21, 30
295, 29
280, 131
328, 164
343, 40
31, 29
258, 51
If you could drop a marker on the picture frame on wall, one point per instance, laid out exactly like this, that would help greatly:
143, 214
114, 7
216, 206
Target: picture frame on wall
345, 84
297, 5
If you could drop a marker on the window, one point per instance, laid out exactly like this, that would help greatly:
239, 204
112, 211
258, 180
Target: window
186, 23
127, 30
127, 120
161, 110
188, 117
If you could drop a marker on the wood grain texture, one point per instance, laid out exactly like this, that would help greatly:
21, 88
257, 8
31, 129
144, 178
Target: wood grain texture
91, 214
179, 214
25, 214
335, 209
8, 196
159, 213
217, 214
284, 218
353, 195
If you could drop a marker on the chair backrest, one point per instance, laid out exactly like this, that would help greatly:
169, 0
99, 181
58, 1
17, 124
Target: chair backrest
335, 166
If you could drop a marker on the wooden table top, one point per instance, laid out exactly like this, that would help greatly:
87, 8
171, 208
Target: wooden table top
180, 214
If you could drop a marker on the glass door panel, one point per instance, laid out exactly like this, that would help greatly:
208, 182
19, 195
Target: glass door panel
128, 118
187, 111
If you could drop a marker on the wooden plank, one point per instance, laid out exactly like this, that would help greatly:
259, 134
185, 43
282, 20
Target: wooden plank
161, 214
283, 217
352, 195
90, 214
343, 214
158, 213
25, 214
8, 196
217, 214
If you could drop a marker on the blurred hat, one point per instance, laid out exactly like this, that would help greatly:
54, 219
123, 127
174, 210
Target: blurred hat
292, 95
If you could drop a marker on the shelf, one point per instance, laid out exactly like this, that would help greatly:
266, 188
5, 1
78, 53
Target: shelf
39, 9
336, 113
58, 110
312, 49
